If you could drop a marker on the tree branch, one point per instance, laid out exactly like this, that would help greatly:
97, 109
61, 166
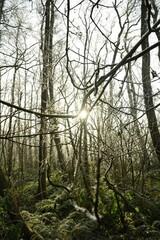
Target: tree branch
126, 58
38, 114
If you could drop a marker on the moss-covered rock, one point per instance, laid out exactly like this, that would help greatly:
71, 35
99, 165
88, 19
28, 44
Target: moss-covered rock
37, 222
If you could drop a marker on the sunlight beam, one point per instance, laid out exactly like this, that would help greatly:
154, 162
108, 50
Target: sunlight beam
83, 114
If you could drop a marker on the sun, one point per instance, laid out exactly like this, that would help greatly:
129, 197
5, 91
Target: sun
83, 114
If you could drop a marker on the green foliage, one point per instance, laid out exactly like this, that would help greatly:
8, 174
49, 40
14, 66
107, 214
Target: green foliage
27, 196
4, 218
147, 232
156, 224
80, 195
8, 230
37, 223
65, 228
56, 218
76, 216
46, 205
81, 232
12, 232
84, 229
76, 226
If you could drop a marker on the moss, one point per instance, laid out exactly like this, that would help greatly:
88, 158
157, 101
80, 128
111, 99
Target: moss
46, 205
77, 216
81, 231
35, 223
63, 196
26, 215
64, 230
64, 209
37, 237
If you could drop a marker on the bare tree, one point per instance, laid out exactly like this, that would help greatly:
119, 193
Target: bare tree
146, 79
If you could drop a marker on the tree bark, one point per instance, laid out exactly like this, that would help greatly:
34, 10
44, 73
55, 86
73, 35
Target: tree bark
56, 136
3, 183
44, 99
155, 16
147, 88
1, 8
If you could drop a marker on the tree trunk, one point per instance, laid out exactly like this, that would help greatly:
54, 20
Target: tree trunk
3, 183
56, 137
155, 16
1, 9
83, 153
147, 88
44, 99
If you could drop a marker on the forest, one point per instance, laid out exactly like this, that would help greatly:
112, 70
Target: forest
79, 120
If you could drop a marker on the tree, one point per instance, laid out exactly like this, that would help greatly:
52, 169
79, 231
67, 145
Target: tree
146, 79
44, 99
86, 55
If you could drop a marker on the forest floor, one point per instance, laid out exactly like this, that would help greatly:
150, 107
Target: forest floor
59, 217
